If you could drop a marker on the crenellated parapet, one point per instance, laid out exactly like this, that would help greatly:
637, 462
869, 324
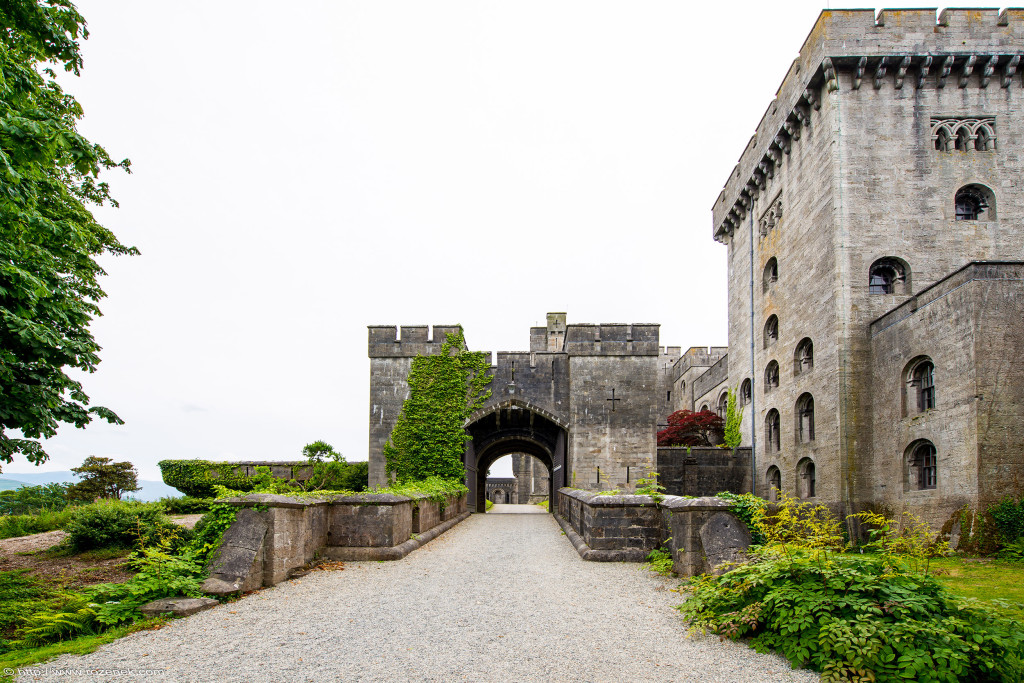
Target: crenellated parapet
414, 340
612, 339
698, 357
902, 48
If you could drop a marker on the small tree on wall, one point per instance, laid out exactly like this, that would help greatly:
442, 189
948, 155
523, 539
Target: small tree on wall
428, 438
687, 428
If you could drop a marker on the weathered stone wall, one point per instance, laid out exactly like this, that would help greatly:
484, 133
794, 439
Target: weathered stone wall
690, 366
703, 471
710, 387
508, 488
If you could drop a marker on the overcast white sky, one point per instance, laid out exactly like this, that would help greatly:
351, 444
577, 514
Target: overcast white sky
303, 170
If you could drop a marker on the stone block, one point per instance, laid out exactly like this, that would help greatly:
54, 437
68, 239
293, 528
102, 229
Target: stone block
724, 538
178, 607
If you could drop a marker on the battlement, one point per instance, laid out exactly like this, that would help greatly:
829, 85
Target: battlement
698, 357
612, 339
899, 46
415, 340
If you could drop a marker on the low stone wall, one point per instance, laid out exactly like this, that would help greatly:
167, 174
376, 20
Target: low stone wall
273, 535
703, 470
701, 533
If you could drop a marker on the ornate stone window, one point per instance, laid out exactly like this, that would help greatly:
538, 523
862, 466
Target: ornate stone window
705, 407
723, 404
771, 217
771, 330
888, 276
803, 359
771, 377
922, 467
746, 392
771, 274
806, 482
773, 482
974, 203
805, 419
964, 134
772, 436
919, 386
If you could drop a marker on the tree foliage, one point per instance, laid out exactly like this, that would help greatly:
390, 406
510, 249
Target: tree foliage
687, 428
733, 420
49, 240
103, 478
429, 438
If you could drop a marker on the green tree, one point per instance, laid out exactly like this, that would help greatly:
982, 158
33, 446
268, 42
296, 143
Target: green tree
429, 438
49, 240
103, 478
733, 420
320, 451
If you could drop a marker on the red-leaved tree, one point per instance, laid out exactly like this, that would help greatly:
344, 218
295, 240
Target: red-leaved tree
687, 428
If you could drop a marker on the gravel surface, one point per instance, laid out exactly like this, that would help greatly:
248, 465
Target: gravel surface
496, 598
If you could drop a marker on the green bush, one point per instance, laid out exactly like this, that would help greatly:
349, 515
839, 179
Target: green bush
119, 524
857, 617
12, 526
746, 506
1008, 516
28, 500
186, 505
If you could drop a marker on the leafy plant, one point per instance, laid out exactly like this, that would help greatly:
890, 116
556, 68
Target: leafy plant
12, 526
186, 505
210, 529
791, 523
903, 536
1013, 551
660, 560
649, 486
488, 504
748, 508
1008, 515
27, 500
733, 420
103, 478
428, 439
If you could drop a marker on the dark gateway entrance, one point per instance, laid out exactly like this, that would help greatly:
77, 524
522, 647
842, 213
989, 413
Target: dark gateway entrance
513, 426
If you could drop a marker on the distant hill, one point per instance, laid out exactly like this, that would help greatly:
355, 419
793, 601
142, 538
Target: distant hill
151, 490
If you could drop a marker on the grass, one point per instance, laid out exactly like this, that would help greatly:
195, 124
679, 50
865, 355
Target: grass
543, 504
983, 578
12, 526
79, 646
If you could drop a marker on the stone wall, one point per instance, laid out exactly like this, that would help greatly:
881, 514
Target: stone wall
703, 471
274, 536
701, 533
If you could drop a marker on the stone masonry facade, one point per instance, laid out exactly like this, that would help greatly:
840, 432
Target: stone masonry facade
874, 235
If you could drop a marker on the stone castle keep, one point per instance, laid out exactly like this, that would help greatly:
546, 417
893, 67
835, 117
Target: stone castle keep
875, 240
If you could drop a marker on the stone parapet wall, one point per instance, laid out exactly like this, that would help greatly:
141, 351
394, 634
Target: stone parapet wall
274, 536
701, 533
703, 471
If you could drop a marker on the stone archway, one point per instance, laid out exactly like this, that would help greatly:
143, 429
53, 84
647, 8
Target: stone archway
513, 426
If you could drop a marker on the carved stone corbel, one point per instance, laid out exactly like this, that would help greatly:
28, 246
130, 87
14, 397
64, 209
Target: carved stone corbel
811, 95
880, 72
792, 129
1009, 70
859, 73
830, 75
901, 71
947, 66
782, 141
922, 74
752, 189
767, 168
990, 68
967, 70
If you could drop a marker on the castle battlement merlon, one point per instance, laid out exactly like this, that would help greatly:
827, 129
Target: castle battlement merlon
900, 48
414, 340
612, 339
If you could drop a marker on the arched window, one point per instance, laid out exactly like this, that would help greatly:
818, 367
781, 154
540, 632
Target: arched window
723, 404
771, 331
805, 419
771, 377
771, 431
773, 482
705, 407
771, 274
919, 383
922, 468
974, 203
962, 141
746, 392
888, 276
986, 141
943, 139
805, 479
803, 359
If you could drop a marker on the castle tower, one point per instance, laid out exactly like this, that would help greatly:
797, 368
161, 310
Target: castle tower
886, 163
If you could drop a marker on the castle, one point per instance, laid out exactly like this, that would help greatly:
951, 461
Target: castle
875, 266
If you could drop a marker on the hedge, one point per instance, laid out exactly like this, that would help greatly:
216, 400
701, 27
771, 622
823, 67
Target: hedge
193, 477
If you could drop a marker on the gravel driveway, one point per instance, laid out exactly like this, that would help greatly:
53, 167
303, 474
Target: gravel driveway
496, 598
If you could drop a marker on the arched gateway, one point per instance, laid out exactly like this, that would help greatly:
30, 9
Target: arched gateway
513, 426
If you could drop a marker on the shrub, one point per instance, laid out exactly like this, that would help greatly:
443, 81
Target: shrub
28, 500
12, 526
747, 507
660, 560
1008, 516
488, 504
119, 524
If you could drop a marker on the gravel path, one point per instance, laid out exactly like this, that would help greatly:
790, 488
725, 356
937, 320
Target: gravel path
496, 598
